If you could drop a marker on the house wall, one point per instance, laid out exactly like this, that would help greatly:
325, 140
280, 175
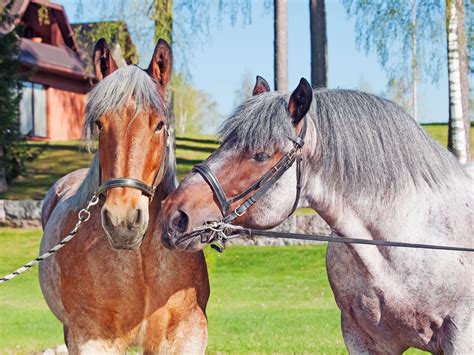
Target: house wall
65, 110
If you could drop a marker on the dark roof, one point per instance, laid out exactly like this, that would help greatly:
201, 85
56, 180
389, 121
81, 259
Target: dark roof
20, 7
60, 60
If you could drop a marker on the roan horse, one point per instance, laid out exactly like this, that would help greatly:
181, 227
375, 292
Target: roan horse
371, 172
115, 285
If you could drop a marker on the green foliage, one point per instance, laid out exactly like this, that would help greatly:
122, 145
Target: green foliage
386, 27
245, 90
163, 18
193, 108
114, 32
12, 145
398, 90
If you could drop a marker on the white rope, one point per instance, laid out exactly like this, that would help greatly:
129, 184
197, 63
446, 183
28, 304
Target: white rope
83, 216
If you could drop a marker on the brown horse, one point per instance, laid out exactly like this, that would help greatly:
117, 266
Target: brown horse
114, 285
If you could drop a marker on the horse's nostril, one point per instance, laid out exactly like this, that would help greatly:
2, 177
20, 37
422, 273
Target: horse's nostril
109, 221
180, 222
136, 218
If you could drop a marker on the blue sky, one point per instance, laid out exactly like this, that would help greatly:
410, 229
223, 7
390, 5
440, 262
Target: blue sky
230, 53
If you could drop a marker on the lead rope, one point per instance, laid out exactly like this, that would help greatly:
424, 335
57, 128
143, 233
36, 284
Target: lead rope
82, 216
219, 233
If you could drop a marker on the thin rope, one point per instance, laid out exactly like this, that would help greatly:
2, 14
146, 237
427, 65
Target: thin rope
221, 232
83, 216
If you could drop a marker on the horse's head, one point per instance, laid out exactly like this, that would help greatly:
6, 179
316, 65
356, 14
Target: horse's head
127, 111
258, 143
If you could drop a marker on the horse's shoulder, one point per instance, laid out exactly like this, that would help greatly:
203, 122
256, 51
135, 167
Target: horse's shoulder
64, 186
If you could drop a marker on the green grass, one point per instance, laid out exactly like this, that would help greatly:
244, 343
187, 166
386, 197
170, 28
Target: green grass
26, 324
59, 158
263, 299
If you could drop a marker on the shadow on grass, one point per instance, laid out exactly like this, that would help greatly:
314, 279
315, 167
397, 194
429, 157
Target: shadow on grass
184, 161
194, 148
198, 140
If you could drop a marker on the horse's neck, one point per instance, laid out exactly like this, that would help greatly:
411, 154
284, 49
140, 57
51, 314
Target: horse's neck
437, 216
170, 181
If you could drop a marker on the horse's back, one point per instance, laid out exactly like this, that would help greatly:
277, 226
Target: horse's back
469, 167
66, 186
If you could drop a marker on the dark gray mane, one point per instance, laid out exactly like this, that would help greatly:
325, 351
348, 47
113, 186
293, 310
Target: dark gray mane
366, 145
116, 90
259, 122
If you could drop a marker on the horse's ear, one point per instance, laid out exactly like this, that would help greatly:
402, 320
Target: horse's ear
104, 64
300, 101
161, 63
261, 85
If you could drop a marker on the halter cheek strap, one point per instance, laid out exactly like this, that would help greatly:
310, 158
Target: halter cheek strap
262, 185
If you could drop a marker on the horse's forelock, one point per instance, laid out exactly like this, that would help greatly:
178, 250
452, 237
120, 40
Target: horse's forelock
116, 91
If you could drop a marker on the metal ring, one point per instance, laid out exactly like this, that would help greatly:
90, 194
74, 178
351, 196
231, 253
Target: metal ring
94, 200
84, 215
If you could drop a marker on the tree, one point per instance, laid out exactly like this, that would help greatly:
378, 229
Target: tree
398, 90
319, 43
194, 109
243, 92
281, 44
405, 34
459, 125
14, 152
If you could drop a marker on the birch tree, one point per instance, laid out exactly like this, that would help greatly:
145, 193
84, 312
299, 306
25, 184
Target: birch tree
459, 125
319, 43
406, 36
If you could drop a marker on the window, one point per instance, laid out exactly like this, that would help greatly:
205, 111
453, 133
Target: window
33, 110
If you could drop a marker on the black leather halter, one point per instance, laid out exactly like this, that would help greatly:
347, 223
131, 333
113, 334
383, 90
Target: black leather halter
148, 190
262, 185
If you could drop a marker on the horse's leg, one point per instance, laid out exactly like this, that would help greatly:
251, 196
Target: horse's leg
80, 341
185, 332
358, 342
460, 338
65, 331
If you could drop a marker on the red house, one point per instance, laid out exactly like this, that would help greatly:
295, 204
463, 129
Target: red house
56, 83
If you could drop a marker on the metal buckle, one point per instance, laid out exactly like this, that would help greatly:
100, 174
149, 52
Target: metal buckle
237, 213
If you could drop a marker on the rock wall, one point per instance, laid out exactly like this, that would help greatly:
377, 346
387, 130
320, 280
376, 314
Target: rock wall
308, 224
21, 213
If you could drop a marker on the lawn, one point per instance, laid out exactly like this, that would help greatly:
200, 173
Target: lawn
59, 158
263, 299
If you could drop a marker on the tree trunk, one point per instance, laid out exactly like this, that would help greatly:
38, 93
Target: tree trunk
281, 44
413, 60
459, 126
3, 176
319, 43
163, 16
464, 69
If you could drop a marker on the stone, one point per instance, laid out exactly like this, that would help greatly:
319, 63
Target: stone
21, 213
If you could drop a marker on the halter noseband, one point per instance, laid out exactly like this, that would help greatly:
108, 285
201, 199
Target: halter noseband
262, 185
148, 190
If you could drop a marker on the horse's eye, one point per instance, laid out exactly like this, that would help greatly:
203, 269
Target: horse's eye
159, 127
261, 157
99, 125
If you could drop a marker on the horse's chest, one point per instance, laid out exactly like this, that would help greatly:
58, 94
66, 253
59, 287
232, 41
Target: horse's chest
379, 306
